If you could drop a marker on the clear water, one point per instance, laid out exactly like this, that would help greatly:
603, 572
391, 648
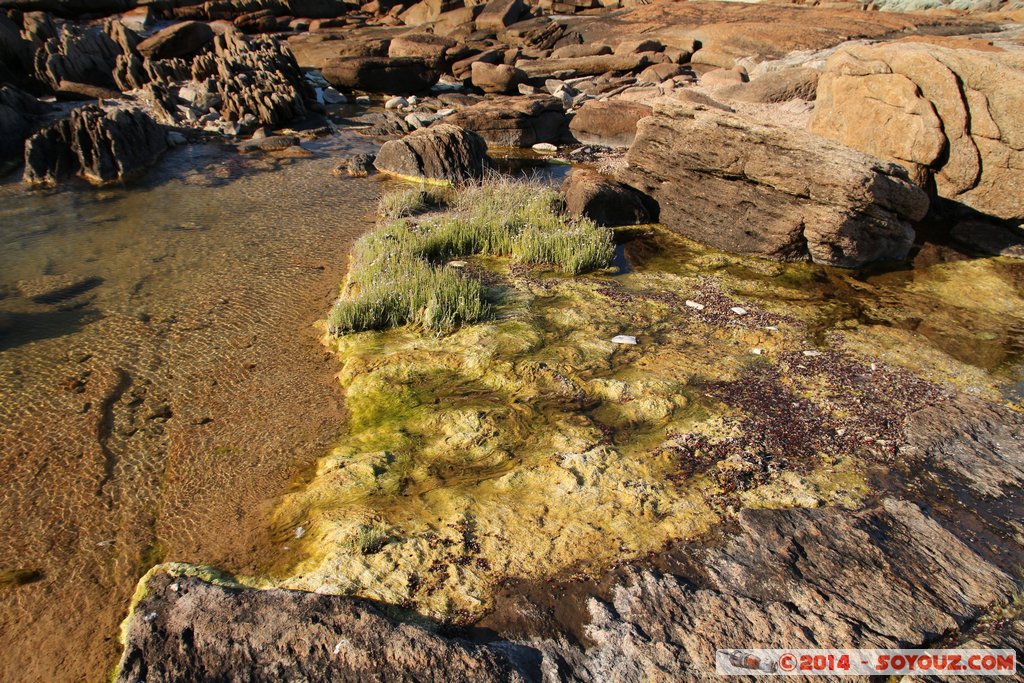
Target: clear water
156, 411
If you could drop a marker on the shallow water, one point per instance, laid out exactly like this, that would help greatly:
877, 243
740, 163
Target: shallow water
156, 410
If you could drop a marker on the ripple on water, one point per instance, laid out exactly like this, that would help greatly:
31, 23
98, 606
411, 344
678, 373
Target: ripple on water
156, 414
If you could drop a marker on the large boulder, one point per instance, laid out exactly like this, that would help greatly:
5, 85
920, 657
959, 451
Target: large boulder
381, 74
514, 121
770, 191
180, 40
952, 115
101, 145
611, 123
441, 152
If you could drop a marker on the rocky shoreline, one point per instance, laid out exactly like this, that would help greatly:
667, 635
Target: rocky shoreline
643, 457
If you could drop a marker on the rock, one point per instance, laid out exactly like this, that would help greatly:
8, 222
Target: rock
514, 121
377, 74
952, 115
585, 66
497, 14
544, 148
585, 50
775, 86
764, 587
396, 103
253, 76
176, 139
658, 73
716, 78
462, 69
68, 91
442, 152
978, 443
360, 165
990, 238
637, 45
608, 122
53, 288
603, 200
425, 12
424, 45
19, 112
496, 78
180, 40
227, 632
624, 339
87, 54
272, 143
770, 191
103, 146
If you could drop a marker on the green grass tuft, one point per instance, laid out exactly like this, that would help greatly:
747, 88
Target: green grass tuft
398, 269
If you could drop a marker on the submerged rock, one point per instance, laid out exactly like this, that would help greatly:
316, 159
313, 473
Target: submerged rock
770, 191
442, 152
100, 145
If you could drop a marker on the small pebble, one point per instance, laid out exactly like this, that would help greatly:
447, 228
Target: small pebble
300, 532
756, 352
738, 311
545, 147
812, 354
624, 339
694, 305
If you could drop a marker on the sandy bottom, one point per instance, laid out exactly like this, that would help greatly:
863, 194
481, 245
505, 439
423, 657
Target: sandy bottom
156, 409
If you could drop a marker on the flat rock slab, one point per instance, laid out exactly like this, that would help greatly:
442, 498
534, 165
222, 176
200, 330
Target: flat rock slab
770, 191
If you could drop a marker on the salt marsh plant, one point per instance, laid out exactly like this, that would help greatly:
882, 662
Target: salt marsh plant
399, 272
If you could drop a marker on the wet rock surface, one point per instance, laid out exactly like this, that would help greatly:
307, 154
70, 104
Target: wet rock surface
867, 578
716, 176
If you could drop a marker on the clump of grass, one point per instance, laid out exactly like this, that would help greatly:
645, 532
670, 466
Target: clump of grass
371, 538
398, 269
394, 205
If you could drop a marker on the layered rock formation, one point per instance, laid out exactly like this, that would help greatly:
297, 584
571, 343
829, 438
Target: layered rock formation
949, 115
102, 146
770, 191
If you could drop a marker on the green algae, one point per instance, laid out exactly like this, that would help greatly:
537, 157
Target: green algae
529, 444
